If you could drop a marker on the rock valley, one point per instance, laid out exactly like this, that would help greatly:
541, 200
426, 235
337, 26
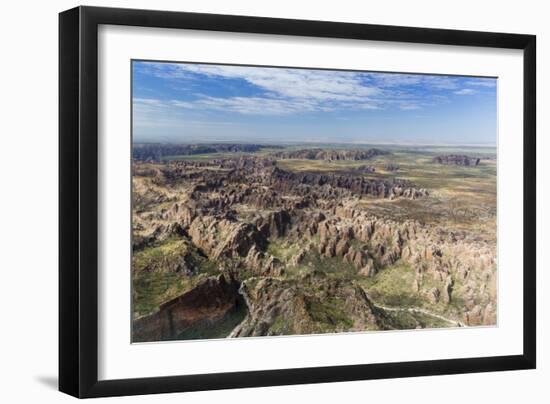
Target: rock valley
251, 240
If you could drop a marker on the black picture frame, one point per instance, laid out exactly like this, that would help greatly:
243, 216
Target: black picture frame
78, 201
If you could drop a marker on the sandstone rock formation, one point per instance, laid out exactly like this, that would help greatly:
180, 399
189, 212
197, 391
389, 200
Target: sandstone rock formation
208, 303
457, 160
158, 151
271, 234
330, 154
315, 305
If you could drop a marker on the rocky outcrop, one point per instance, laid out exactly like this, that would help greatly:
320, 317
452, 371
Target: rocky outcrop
371, 244
357, 257
317, 304
391, 167
210, 302
275, 224
238, 241
220, 184
220, 237
448, 290
158, 151
433, 295
456, 160
263, 264
330, 154
173, 256
365, 169
298, 258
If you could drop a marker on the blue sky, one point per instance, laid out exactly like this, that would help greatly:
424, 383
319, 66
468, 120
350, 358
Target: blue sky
184, 102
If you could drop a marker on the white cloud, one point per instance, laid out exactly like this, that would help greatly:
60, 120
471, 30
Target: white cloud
409, 107
491, 83
400, 79
255, 105
182, 104
284, 90
394, 80
241, 105
441, 82
287, 91
466, 91
365, 106
147, 101
317, 85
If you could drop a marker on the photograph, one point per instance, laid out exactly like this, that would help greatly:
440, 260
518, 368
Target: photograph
279, 201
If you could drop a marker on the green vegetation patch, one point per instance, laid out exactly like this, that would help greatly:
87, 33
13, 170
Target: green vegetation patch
165, 271
392, 286
163, 257
406, 320
283, 249
334, 267
323, 166
329, 314
281, 326
151, 289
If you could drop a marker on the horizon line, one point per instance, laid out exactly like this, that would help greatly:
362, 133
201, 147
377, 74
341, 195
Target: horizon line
268, 143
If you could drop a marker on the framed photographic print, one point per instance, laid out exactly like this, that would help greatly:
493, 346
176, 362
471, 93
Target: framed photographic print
251, 201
